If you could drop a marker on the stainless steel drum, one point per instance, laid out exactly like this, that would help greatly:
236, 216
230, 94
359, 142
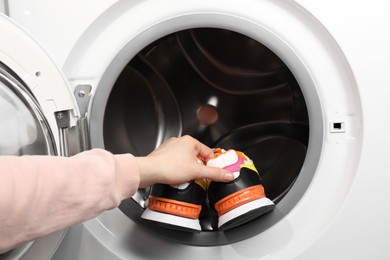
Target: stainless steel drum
223, 88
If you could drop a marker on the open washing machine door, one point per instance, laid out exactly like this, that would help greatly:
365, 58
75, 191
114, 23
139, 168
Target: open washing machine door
37, 110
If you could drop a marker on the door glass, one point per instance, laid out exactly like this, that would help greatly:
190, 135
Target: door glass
21, 130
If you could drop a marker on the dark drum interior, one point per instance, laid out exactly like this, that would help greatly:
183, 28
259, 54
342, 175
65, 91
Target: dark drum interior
223, 88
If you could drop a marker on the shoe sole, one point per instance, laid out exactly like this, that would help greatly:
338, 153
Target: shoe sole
171, 221
174, 207
239, 198
245, 213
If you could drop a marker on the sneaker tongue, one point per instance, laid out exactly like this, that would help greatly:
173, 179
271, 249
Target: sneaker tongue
232, 161
181, 186
228, 160
216, 162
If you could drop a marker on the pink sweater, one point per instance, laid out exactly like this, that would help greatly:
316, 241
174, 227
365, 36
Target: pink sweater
40, 194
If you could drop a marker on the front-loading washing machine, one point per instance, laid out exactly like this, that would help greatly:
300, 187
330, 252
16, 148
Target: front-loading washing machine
299, 86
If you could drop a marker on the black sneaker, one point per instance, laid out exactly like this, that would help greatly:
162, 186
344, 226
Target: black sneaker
176, 206
241, 200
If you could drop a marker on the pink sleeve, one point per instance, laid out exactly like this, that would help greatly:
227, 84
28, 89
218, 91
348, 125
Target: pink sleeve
41, 194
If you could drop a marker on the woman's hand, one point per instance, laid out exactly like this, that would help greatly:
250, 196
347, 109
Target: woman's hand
177, 161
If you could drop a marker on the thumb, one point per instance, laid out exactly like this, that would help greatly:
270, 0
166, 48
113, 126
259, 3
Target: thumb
215, 174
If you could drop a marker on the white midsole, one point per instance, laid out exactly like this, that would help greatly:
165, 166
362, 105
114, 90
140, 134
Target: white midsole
234, 213
171, 219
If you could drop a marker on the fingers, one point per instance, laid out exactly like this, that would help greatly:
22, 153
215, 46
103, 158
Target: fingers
202, 150
215, 174
212, 173
188, 150
205, 152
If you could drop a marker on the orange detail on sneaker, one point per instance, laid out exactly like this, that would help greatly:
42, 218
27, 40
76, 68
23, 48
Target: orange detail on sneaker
239, 198
174, 207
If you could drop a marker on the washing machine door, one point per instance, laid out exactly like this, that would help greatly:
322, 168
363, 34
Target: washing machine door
36, 108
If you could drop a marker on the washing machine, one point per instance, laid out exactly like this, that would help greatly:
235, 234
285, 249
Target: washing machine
300, 86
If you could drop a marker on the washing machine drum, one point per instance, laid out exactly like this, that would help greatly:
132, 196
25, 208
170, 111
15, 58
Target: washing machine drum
223, 88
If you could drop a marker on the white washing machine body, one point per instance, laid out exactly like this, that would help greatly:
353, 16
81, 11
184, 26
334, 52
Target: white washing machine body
337, 52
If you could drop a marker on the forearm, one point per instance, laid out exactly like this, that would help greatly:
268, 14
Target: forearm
41, 194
